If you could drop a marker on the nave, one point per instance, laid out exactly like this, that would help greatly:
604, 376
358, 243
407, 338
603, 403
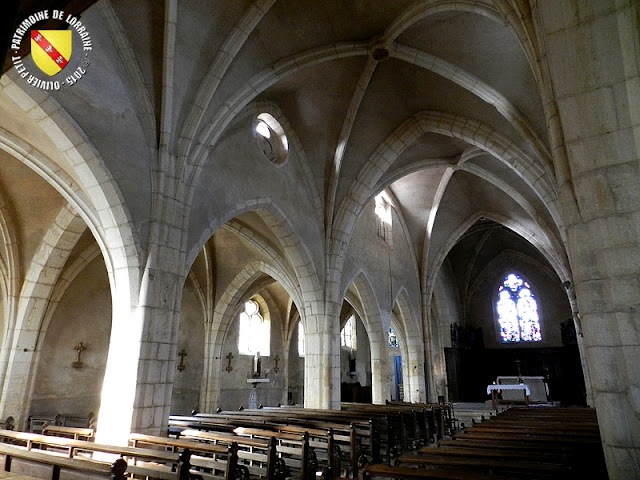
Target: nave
397, 440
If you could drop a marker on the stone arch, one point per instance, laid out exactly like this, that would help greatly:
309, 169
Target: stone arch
40, 282
224, 314
376, 324
560, 268
429, 280
10, 279
409, 320
470, 131
96, 197
297, 254
257, 84
299, 262
9, 265
62, 283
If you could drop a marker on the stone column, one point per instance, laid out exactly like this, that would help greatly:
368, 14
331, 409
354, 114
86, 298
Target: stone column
382, 373
593, 51
322, 362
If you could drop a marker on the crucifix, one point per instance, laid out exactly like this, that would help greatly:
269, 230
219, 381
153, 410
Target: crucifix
182, 354
277, 359
229, 357
79, 348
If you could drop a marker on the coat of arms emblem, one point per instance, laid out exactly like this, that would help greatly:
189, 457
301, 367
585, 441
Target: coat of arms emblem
51, 50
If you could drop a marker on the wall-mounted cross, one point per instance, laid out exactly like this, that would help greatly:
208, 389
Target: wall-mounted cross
182, 354
229, 357
277, 359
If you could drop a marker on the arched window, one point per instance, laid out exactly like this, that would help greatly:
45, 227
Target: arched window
255, 331
348, 334
300, 339
384, 218
271, 138
517, 311
393, 339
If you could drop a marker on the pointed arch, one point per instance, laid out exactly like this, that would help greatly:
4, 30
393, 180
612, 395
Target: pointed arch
297, 253
91, 190
40, 281
224, 315
406, 317
471, 131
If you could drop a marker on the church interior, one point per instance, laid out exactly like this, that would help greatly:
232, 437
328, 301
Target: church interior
226, 205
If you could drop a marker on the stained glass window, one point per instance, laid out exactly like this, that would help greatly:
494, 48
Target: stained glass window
393, 339
255, 331
517, 311
348, 334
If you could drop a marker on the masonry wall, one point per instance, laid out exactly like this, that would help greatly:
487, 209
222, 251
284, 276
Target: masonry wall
83, 315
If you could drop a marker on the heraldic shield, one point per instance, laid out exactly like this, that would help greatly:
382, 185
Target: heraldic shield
51, 49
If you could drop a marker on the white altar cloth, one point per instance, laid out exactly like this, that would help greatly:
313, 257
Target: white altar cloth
519, 386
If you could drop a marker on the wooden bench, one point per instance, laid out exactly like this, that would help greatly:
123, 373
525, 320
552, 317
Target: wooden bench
374, 432
77, 433
537, 444
54, 462
16, 476
256, 456
205, 456
533, 468
152, 463
411, 473
539, 434
349, 437
290, 452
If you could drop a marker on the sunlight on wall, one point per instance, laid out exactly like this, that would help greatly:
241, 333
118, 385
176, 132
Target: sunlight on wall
119, 387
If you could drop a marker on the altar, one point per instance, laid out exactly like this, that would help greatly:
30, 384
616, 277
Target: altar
539, 389
253, 395
495, 389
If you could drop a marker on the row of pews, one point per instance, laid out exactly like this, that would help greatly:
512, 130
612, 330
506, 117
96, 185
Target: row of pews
519, 443
310, 443
403, 441
52, 457
272, 444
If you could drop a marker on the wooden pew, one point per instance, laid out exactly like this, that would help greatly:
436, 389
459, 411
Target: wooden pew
293, 451
379, 432
205, 456
152, 463
350, 438
441, 419
382, 470
54, 462
321, 440
77, 433
523, 467
535, 445
257, 456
